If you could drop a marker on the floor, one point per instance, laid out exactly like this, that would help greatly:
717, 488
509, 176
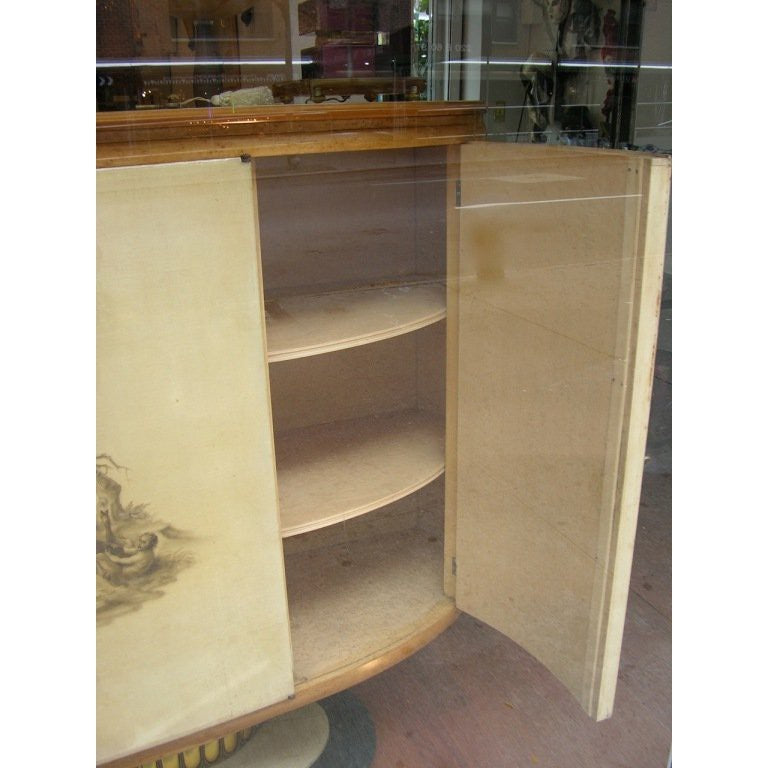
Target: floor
474, 699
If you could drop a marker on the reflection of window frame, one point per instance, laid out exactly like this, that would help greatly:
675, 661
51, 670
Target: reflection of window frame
173, 22
263, 18
514, 17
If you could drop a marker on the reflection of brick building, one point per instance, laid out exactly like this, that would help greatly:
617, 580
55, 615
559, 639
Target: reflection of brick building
114, 29
129, 31
116, 88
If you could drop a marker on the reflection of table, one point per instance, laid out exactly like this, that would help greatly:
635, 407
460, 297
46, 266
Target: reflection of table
341, 88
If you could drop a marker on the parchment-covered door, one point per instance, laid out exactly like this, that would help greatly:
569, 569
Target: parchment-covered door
555, 278
192, 625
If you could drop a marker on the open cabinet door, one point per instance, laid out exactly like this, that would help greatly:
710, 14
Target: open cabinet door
192, 624
555, 282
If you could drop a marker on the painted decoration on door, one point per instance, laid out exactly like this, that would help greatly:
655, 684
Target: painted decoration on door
137, 554
192, 624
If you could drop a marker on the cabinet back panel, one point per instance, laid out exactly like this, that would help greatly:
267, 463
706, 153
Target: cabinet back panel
430, 368
362, 381
379, 582
403, 373
335, 220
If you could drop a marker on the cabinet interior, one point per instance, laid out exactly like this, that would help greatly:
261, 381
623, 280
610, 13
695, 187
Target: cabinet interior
354, 281
561, 262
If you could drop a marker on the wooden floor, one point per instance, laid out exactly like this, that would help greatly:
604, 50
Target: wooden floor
474, 699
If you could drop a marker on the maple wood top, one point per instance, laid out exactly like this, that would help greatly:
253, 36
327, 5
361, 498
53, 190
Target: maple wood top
172, 135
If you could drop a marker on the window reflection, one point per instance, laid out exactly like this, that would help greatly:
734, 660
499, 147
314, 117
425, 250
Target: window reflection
590, 72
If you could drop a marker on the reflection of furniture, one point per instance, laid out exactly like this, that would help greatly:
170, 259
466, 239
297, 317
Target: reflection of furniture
356, 38
341, 88
382, 314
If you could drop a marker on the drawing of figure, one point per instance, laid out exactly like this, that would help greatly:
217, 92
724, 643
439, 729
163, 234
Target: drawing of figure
133, 560
124, 558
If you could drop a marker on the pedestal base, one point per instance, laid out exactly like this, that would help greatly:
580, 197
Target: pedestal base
335, 732
294, 740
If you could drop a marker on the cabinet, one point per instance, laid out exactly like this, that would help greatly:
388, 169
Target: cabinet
357, 392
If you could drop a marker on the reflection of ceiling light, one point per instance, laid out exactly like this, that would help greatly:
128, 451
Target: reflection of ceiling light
115, 63
267, 62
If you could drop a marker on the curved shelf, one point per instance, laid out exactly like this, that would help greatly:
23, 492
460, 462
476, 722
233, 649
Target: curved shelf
352, 603
333, 472
300, 326
439, 618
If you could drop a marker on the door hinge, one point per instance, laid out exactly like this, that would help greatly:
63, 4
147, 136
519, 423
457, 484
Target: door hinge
453, 566
458, 193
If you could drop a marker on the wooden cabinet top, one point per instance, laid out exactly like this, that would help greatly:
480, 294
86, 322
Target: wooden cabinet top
162, 136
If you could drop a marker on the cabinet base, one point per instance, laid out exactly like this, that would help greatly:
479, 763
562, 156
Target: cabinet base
335, 731
294, 740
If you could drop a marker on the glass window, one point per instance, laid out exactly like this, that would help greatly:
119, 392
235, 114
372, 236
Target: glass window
555, 71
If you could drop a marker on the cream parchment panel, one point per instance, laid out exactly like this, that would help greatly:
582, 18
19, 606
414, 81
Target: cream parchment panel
559, 275
192, 625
